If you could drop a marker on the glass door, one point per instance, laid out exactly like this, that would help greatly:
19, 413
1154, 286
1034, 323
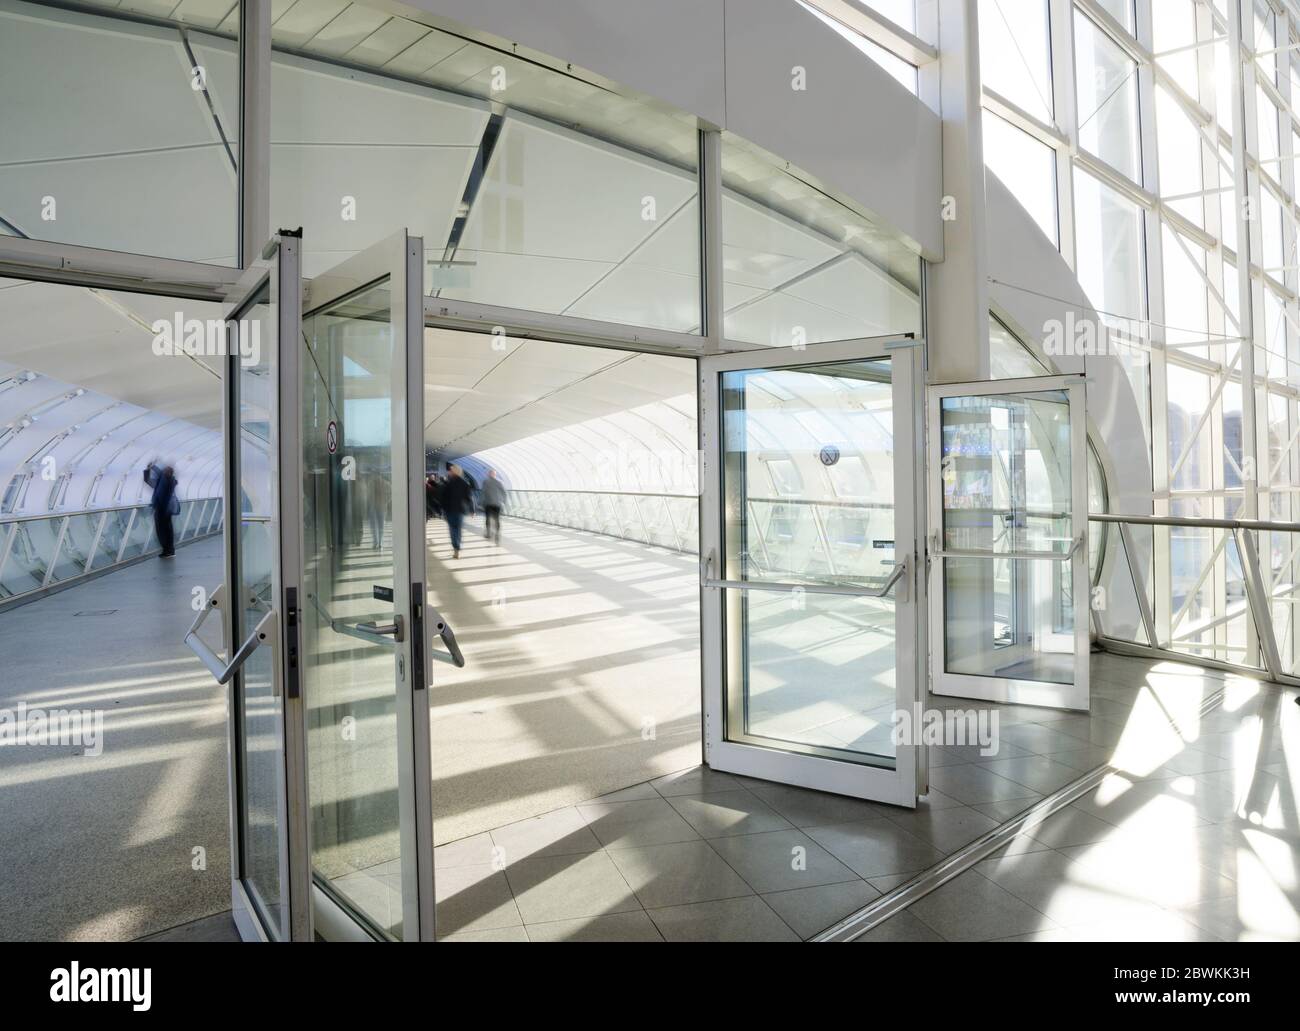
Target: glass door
809, 541
1009, 553
258, 603
364, 653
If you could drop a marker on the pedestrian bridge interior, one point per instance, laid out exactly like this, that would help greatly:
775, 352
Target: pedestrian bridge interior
571, 740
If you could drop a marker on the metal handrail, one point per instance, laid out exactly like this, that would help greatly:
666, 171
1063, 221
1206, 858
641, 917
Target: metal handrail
1266, 525
1057, 556
71, 513
843, 590
1259, 599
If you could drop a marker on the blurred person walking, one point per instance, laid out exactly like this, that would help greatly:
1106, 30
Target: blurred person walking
455, 499
494, 500
164, 503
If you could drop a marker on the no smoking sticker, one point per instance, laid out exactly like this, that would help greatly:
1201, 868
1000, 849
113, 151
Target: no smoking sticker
332, 436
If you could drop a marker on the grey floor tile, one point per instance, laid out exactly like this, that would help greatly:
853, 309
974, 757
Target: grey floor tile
973, 908
952, 755
699, 780
650, 821
635, 793
1163, 871
473, 898
1231, 919
616, 927
548, 888
901, 927
675, 874
1157, 925
876, 848
889, 883
810, 910
1083, 757
730, 920
805, 808
725, 813
1034, 737
1070, 826
781, 860
971, 784
498, 934
1064, 890
472, 851
560, 833
946, 829
1036, 772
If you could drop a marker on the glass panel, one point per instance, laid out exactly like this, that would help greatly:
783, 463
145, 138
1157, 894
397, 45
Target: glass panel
1107, 86
141, 536
29, 555
1009, 618
799, 267
1026, 167
1015, 53
77, 538
1006, 472
348, 547
110, 539
120, 133
832, 528
1008, 357
475, 149
260, 711
815, 675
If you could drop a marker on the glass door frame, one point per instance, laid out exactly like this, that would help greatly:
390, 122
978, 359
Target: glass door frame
400, 260
278, 272
1011, 690
899, 785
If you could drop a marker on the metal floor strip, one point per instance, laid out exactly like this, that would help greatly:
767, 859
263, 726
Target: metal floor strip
893, 902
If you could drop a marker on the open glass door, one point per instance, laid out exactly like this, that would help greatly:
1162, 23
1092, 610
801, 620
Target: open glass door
808, 542
1009, 519
258, 603
364, 652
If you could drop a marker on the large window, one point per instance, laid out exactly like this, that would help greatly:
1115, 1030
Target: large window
799, 267
1026, 167
1015, 53
1106, 85
119, 133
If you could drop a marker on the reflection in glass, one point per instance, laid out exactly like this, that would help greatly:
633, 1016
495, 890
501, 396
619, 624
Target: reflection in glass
1006, 476
348, 551
799, 267
808, 498
260, 710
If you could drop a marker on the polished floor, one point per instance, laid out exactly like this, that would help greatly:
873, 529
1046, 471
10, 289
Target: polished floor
1192, 835
134, 840
582, 671
1158, 852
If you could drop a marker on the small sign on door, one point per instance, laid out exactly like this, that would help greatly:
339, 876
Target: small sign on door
332, 437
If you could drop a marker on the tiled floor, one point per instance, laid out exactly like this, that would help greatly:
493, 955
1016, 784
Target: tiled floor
1178, 846
1195, 836
700, 855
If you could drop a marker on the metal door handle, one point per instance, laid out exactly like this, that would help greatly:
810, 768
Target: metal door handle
453, 655
266, 629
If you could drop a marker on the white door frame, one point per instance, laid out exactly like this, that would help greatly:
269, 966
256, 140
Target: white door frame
400, 260
279, 272
898, 785
1007, 689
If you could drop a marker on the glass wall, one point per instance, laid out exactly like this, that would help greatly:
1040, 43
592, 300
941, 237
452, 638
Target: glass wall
800, 267
121, 132
390, 124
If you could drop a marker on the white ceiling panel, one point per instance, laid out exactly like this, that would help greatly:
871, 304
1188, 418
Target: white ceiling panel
70, 334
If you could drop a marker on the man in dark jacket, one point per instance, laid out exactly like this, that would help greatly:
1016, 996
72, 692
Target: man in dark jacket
455, 501
164, 503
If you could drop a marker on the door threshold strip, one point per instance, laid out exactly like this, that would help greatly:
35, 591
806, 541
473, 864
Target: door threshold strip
893, 902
